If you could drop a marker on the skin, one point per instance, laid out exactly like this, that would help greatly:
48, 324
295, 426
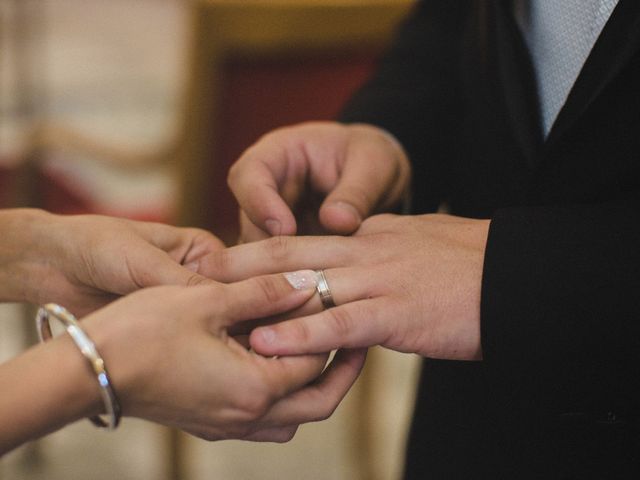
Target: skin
87, 261
411, 284
408, 283
167, 348
317, 177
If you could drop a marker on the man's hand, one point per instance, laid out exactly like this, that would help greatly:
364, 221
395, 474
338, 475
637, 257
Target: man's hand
411, 284
86, 261
317, 177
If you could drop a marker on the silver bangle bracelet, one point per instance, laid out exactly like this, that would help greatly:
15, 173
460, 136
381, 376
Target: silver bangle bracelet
88, 349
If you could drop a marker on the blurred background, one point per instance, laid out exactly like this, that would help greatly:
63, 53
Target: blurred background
137, 109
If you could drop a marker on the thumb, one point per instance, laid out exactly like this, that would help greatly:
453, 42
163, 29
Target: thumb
268, 295
156, 267
367, 181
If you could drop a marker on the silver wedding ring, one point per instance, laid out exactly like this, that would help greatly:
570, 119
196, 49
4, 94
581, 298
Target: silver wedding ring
324, 291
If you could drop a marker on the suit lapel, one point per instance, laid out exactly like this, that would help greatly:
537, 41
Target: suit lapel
517, 80
619, 40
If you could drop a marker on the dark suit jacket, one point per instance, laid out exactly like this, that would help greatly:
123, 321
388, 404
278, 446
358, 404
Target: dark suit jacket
558, 392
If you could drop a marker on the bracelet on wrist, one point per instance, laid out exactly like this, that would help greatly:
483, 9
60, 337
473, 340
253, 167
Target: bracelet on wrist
89, 351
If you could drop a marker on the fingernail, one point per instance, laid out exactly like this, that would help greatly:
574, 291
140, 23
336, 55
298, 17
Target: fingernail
273, 227
350, 209
193, 266
268, 335
302, 279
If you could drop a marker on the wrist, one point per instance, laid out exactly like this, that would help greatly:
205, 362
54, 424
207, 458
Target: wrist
87, 347
460, 337
116, 339
44, 389
479, 238
83, 395
24, 259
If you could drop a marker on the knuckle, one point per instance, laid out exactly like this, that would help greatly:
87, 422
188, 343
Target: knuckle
211, 432
269, 289
195, 232
380, 219
234, 174
328, 404
324, 408
326, 412
341, 322
361, 196
301, 331
255, 400
253, 407
387, 217
284, 435
234, 432
383, 223
200, 235
194, 280
281, 133
218, 263
369, 224
278, 248
203, 434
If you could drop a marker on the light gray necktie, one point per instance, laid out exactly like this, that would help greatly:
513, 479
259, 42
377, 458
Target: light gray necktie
560, 35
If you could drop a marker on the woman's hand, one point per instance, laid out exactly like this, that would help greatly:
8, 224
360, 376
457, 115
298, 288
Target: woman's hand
171, 361
317, 177
85, 261
411, 284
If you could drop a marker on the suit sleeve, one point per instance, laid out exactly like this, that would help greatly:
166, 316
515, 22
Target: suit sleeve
561, 305
413, 95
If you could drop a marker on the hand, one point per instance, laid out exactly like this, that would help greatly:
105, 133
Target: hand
172, 362
317, 177
86, 261
411, 284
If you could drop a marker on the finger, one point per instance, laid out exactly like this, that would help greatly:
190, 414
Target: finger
358, 324
278, 254
289, 374
185, 246
366, 179
319, 400
267, 295
375, 174
196, 244
254, 180
346, 284
249, 232
193, 241
277, 434
148, 266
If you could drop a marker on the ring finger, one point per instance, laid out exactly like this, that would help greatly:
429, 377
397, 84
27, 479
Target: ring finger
346, 285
